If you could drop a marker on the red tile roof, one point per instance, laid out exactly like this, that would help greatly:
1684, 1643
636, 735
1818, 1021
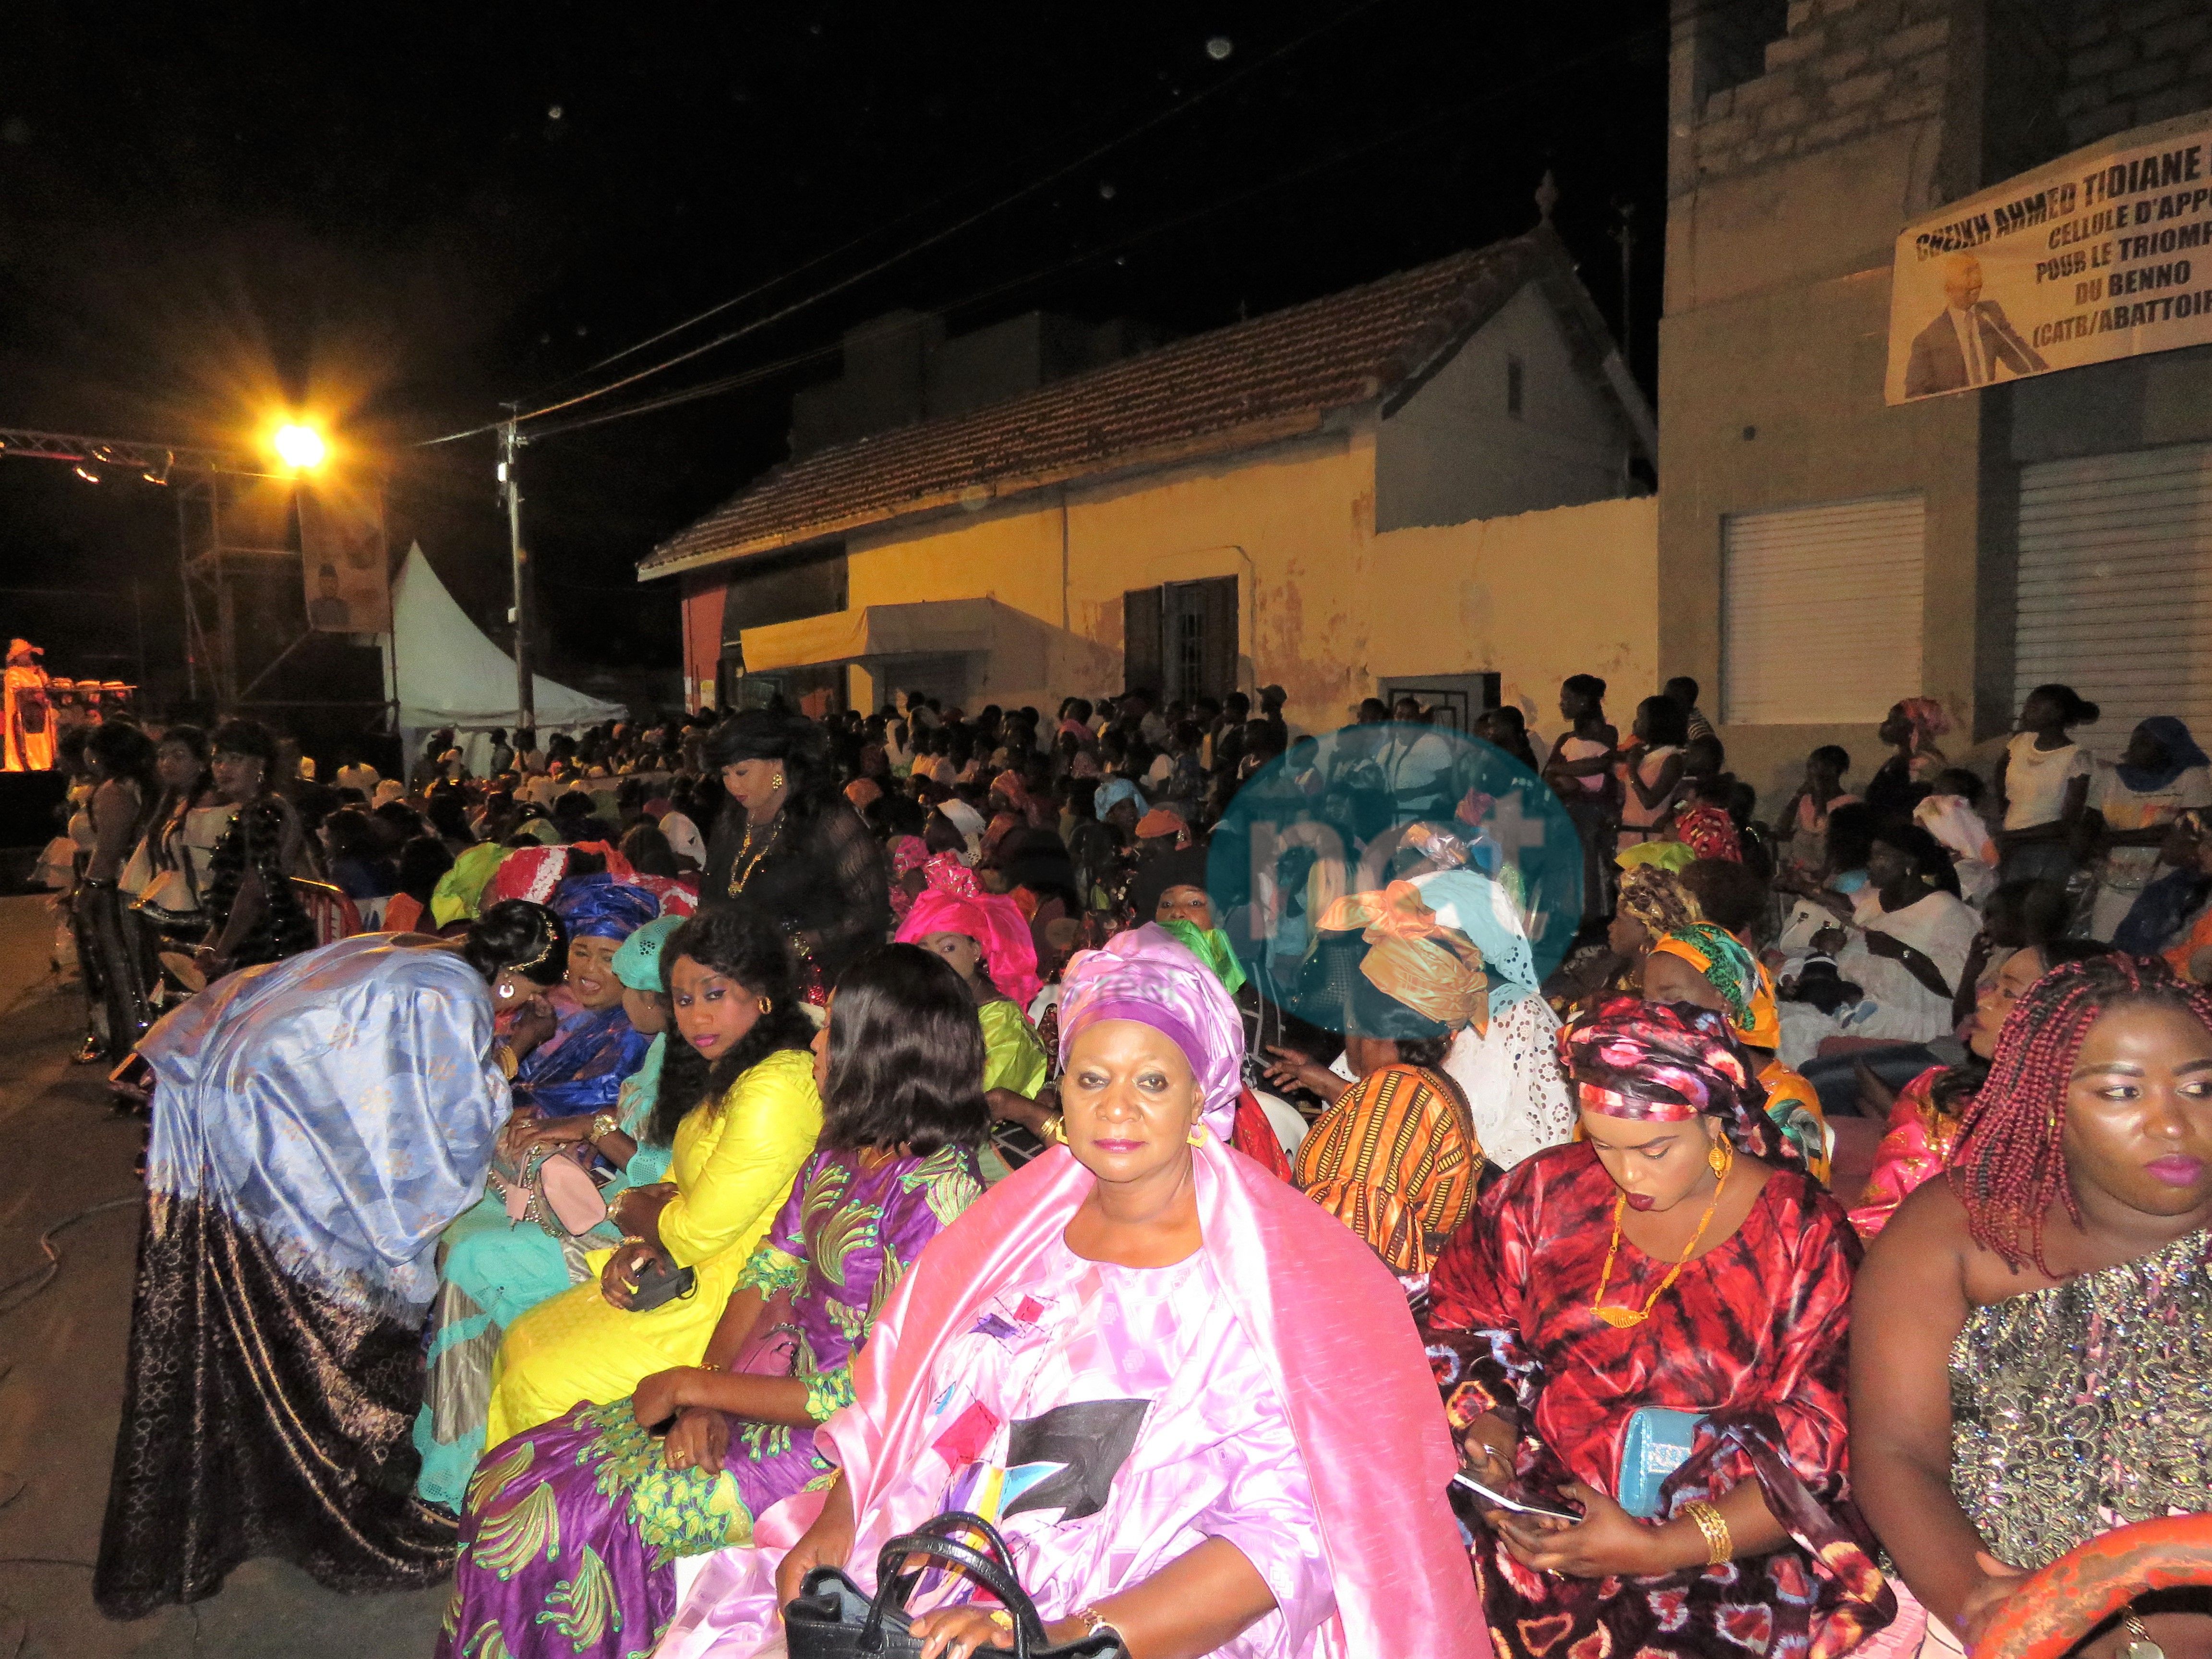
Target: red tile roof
1238, 386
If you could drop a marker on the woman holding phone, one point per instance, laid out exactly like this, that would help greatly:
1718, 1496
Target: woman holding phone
1671, 1291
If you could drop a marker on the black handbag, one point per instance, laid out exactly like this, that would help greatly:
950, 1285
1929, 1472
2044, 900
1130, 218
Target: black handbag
832, 1618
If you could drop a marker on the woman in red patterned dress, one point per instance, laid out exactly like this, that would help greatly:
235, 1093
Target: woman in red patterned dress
1678, 1258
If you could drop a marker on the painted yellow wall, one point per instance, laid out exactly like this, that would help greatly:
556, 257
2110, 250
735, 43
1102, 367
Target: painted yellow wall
1533, 598
1326, 606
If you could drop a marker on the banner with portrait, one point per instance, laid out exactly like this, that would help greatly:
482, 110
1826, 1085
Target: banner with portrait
2105, 254
343, 559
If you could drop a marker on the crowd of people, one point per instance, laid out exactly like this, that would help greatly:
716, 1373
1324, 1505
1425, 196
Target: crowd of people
719, 1150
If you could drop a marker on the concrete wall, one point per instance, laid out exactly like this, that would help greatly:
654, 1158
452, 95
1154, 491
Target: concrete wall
1787, 194
2129, 63
1452, 452
1534, 598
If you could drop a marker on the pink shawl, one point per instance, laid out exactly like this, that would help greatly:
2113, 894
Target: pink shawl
1327, 1317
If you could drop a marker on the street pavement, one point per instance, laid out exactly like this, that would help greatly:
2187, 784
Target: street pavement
61, 1371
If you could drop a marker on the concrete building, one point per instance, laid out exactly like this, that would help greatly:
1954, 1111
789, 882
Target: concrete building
1821, 555
1438, 480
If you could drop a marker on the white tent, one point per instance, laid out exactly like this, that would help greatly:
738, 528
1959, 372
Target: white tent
442, 670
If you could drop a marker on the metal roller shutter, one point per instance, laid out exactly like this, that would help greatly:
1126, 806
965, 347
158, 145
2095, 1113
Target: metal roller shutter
1821, 611
2116, 586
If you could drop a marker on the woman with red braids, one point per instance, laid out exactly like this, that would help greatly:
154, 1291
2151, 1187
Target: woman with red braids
2034, 1332
1671, 1293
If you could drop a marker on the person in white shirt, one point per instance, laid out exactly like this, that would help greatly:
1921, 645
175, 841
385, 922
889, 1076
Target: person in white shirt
2042, 786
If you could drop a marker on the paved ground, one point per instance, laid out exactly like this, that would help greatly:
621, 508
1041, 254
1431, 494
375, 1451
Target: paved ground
61, 1371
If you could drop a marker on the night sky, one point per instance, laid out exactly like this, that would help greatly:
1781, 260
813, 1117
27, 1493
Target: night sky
407, 216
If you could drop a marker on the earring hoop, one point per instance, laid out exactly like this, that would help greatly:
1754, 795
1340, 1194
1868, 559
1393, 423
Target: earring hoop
1197, 1135
765, 1005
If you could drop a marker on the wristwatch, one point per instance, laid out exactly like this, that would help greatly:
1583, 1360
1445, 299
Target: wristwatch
603, 1125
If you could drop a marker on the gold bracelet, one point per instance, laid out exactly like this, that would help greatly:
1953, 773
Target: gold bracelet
1720, 1543
503, 1055
603, 1125
1097, 1621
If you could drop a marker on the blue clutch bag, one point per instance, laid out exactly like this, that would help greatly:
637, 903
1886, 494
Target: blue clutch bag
1658, 1444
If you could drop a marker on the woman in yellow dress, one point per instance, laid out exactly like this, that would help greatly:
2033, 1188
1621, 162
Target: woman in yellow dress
741, 1085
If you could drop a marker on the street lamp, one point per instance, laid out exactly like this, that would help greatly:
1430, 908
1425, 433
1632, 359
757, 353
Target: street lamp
299, 447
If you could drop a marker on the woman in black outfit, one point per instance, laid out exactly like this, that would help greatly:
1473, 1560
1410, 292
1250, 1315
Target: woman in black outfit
792, 845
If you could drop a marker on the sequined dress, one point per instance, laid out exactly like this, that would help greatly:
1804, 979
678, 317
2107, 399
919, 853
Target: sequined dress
2084, 1406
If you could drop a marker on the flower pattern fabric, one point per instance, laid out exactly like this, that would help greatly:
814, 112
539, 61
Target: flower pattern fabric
594, 1484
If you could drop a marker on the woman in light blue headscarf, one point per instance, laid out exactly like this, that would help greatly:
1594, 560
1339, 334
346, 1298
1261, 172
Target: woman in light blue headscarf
1509, 1073
493, 1267
316, 1122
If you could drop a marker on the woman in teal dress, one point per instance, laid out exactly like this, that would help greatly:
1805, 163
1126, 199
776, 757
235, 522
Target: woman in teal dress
493, 1269
571, 1528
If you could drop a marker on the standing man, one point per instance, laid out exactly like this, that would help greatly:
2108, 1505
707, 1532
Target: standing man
30, 721
1969, 337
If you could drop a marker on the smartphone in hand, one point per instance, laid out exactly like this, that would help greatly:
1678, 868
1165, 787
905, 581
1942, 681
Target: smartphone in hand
1492, 1498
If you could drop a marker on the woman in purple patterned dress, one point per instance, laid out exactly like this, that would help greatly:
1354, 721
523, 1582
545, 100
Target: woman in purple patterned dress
571, 1531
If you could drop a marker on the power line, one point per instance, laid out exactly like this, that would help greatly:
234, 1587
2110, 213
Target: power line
1436, 118
1158, 119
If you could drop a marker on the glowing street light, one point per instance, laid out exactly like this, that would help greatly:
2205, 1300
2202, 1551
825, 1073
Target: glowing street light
299, 447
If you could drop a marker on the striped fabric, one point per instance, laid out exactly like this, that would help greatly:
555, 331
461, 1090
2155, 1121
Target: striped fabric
1397, 1160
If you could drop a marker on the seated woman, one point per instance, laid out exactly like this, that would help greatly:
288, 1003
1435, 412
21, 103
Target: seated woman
316, 1124
1654, 903
1194, 1360
1709, 968
986, 939
1923, 1119
1396, 1158
1509, 1066
493, 1268
1677, 1261
896, 1065
574, 1049
737, 1102
1905, 946
2033, 1331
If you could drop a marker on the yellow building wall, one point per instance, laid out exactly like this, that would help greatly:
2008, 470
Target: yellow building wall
1325, 607
1533, 598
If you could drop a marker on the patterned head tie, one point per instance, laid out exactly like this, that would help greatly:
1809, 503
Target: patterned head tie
1414, 959
1739, 976
1667, 1063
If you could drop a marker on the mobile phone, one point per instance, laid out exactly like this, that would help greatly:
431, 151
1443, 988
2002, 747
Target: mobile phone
1499, 1500
134, 1075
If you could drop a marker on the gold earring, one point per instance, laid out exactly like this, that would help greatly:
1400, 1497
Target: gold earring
1721, 1157
776, 782
765, 1005
1197, 1135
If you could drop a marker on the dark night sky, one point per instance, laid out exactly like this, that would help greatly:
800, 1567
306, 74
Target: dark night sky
214, 209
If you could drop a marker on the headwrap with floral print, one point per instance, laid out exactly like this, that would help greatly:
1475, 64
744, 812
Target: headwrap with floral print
1667, 1063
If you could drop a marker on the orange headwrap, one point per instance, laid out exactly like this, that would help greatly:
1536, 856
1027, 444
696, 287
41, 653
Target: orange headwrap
1435, 970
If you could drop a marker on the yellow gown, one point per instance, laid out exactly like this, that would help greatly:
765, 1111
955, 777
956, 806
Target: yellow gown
733, 1165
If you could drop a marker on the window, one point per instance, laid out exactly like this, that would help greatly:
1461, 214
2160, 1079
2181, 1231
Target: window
1514, 376
1180, 639
1820, 615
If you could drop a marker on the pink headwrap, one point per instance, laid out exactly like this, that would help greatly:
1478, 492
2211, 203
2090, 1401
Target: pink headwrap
1149, 976
994, 921
1327, 1318
1927, 719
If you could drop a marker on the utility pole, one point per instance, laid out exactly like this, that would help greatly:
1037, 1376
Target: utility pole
1626, 236
510, 442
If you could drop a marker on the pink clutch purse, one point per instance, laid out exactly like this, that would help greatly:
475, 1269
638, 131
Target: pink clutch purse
552, 1189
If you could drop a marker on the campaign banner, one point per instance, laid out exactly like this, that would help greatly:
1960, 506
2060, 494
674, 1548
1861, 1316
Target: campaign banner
2106, 253
343, 559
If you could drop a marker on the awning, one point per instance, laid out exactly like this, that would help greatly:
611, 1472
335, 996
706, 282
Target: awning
922, 627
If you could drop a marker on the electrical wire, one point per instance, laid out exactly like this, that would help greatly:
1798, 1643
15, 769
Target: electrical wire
1158, 119
1436, 118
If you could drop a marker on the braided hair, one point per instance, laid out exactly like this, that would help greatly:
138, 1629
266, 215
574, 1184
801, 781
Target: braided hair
2010, 1163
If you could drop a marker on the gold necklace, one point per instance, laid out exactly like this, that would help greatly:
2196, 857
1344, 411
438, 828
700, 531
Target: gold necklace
737, 881
1622, 1318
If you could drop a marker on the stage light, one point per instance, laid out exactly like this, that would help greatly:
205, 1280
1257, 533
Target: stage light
85, 473
299, 447
160, 475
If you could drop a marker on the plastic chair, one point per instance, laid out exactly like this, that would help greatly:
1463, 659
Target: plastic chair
327, 906
2066, 1599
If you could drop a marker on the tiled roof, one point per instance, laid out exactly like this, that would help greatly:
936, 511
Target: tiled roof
1248, 383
